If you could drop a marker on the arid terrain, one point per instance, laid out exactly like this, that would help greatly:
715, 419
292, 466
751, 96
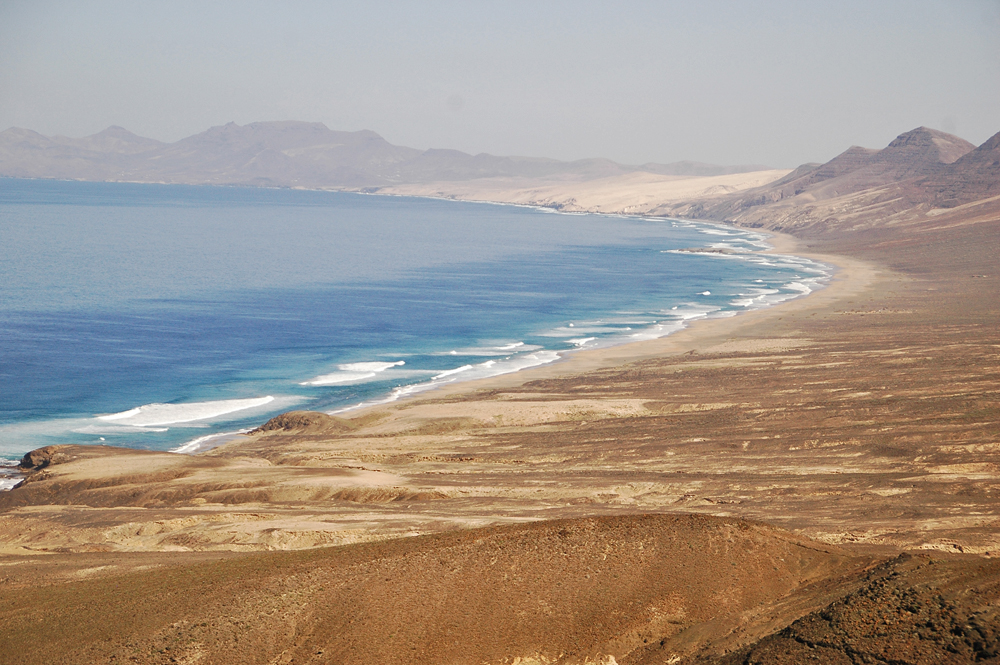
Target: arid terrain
815, 482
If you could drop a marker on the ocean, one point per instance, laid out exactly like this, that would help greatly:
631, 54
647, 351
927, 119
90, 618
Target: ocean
164, 316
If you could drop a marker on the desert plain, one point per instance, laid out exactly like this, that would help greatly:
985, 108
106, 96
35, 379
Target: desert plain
812, 482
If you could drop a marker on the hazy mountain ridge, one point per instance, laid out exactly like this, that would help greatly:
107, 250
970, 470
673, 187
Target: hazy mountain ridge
288, 154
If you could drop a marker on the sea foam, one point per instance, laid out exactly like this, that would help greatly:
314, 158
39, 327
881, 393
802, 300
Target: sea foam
484, 370
158, 415
498, 350
352, 373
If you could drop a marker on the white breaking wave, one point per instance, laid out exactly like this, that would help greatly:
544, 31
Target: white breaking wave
208, 442
459, 370
352, 372
9, 476
798, 286
465, 373
692, 311
572, 330
154, 415
499, 350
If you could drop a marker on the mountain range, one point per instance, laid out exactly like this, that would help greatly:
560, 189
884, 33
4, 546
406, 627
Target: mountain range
288, 154
920, 171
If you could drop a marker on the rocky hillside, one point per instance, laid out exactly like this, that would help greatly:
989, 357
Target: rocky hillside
975, 176
918, 172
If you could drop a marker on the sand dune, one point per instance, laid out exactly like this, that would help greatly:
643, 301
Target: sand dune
632, 193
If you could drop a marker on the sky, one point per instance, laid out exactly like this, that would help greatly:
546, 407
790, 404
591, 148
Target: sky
770, 82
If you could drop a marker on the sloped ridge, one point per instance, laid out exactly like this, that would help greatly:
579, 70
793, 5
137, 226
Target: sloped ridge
975, 176
646, 588
921, 166
925, 145
912, 610
918, 152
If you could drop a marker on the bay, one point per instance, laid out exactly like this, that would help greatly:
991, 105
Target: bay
154, 316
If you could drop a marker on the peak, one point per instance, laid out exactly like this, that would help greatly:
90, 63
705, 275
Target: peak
287, 124
919, 132
20, 131
992, 143
924, 135
117, 132
928, 144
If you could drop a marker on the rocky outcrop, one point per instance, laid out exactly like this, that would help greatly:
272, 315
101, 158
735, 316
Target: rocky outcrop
40, 458
304, 422
912, 610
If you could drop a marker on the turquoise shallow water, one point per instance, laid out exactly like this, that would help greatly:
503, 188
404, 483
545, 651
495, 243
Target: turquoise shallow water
155, 316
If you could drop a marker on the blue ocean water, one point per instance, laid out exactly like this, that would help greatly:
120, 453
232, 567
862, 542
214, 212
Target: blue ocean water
159, 316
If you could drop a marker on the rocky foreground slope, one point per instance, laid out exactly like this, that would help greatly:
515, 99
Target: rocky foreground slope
653, 589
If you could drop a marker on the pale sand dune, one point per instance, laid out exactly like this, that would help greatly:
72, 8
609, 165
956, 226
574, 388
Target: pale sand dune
634, 193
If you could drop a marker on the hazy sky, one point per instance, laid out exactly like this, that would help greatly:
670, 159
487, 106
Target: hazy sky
778, 83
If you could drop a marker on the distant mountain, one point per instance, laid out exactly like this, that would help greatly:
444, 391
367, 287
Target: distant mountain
919, 152
288, 154
699, 169
922, 167
114, 139
974, 176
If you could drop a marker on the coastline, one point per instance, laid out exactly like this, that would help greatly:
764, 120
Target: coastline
849, 277
568, 357
705, 335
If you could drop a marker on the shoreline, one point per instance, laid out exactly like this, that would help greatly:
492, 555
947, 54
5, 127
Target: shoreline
712, 334
572, 360
850, 276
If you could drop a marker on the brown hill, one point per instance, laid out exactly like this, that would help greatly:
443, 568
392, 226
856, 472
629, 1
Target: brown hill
975, 176
918, 171
114, 139
625, 589
920, 152
678, 589
277, 154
